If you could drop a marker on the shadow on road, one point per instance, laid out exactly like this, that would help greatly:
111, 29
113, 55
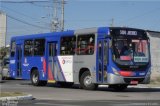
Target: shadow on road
110, 89
130, 89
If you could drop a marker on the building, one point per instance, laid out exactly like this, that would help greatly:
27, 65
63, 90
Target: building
3, 26
155, 52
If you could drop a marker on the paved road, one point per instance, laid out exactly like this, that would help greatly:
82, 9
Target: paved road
51, 94
84, 103
89, 103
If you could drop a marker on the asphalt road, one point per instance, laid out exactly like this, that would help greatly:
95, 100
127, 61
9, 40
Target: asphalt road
52, 95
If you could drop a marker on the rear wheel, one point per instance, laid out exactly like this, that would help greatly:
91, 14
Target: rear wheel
35, 79
86, 81
119, 87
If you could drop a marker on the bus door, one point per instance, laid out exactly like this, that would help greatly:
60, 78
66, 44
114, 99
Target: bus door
102, 59
52, 52
19, 60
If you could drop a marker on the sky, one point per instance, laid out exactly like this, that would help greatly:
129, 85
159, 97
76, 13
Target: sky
31, 18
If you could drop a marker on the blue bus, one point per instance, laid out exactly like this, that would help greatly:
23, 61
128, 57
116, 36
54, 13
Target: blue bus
113, 56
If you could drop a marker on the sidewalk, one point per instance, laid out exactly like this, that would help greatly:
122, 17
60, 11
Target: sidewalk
12, 97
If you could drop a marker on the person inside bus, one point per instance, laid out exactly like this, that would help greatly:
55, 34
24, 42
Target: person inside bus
124, 51
116, 51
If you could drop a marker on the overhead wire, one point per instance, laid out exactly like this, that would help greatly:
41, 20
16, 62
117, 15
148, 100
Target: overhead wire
24, 1
24, 22
20, 20
12, 10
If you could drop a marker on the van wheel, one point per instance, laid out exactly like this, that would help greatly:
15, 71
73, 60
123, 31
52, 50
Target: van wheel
35, 79
86, 81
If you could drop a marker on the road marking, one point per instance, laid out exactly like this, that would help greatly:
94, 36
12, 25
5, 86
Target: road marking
52, 104
122, 103
136, 86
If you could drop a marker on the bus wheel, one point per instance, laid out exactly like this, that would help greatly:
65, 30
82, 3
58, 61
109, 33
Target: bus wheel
35, 79
86, 81
119, 87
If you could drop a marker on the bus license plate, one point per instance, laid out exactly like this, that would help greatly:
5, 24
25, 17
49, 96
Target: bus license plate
134, 82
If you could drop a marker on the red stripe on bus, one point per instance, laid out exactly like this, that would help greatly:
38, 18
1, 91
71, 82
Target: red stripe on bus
50, 74
44, 65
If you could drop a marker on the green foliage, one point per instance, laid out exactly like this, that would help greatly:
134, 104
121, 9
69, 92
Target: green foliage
3, 52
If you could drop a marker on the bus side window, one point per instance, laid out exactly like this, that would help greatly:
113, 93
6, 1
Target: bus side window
39, 47
13, 48
85, 44
28, 47
68, 45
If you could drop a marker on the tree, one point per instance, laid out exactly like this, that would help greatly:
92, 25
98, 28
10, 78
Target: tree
3, 52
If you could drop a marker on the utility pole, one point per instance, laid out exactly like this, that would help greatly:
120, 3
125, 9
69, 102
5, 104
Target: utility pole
112, 22
62, 15
57, 22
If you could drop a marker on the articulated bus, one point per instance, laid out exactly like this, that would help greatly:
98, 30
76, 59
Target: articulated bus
113, 56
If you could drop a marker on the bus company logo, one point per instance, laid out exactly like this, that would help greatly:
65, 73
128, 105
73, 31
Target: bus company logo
25, 60
63, 61
66, 58
66, 61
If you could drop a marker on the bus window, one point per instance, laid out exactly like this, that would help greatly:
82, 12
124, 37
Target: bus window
28, 48
68, 45
13, 48
105, 59
85, 44
39, 45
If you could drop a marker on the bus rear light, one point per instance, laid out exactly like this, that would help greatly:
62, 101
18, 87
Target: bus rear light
126, 73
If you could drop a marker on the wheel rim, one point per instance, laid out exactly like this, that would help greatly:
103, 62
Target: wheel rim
35, 78
87, 80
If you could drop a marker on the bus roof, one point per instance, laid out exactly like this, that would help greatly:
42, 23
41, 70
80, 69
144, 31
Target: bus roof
104, 30
55, 34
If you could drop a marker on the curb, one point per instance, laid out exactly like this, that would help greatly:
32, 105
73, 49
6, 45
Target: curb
136, 86
26, 97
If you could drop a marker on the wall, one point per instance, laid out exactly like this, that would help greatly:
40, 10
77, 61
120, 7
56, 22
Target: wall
155, 53
2, 28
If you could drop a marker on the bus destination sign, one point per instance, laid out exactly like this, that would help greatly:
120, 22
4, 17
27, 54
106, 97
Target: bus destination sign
125, 32
128, 32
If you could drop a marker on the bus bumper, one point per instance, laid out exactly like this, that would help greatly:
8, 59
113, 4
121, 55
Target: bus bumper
117, 79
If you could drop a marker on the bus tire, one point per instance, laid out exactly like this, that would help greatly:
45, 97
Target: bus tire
35, 79
86, 81
119, 87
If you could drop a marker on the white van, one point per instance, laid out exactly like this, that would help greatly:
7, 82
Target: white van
5, 68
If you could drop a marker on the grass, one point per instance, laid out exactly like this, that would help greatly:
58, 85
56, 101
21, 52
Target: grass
11, 94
